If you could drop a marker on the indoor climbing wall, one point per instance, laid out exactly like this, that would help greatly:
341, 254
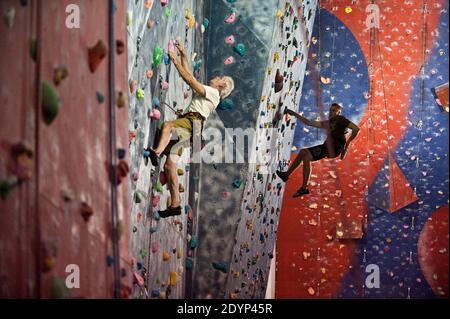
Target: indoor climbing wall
160, 247
260, 207
238, 45
56, 128
386, 204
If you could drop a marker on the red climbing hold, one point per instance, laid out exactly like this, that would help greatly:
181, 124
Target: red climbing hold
96, 54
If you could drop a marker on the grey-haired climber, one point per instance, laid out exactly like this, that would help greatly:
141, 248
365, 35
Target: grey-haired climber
205, 100
336, 144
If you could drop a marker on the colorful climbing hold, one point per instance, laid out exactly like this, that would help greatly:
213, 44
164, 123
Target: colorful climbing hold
121, 100
188, 263
173, 278
86, 211
229, 60
155, 114
226, 104
240, 49
157, 55
100, 97
222, 266
51, 102
166, 256
96, 55
140, 94
59, 74
229, 39
237, 183
231, 18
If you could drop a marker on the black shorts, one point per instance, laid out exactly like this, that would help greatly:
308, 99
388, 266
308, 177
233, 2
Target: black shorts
319, 152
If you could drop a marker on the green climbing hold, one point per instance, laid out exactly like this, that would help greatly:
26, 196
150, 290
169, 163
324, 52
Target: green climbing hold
7, 185
240, 49
33, 49
226, 104
188, 263
222, 266
231, 1
158, 54
143, 253
58, 288
51, 102
129, 18
159, 187
138, 197
168, 12
140, 94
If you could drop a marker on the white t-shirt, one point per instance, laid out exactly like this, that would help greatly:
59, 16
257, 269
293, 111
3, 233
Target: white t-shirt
205, 105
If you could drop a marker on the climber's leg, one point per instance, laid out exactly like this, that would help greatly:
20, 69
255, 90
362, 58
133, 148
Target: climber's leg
301, 157
170, 169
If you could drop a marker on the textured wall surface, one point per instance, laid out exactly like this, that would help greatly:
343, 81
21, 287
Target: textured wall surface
219, 209
394, 181
42, 229
151, 237
263, 192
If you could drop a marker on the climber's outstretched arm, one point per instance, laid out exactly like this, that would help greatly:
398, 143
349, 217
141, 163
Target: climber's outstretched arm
304, 119
187, 76
182, 53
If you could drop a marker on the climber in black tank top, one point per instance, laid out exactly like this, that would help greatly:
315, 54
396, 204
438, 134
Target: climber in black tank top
335, 144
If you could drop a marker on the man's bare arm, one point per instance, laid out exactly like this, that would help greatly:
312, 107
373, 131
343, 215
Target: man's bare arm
305, 120
184, 60
187, 76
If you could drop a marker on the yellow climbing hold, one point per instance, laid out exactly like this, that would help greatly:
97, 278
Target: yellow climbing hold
348, 10
190, 17
263, 98
279, 13
173, 278
276, 56
180, 172
179, 254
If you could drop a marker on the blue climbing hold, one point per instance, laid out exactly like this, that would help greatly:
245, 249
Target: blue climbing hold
121, 153
166, 59
139, 265
155, 293
100, 97
109, 260
205, 23
153, 229
187, 208
156, 102
156, 216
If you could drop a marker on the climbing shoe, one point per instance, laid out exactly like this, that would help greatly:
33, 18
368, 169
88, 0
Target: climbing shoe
302, 191
282, 175
170, 211
153, 157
